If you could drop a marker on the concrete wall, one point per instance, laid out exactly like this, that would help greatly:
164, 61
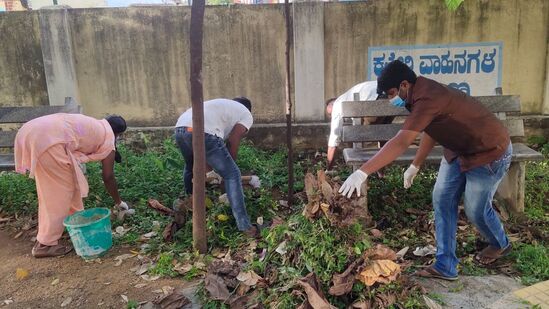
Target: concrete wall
135, 61
22, 80
522, 26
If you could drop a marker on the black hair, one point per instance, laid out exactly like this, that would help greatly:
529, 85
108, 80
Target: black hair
118, 125
244, 101
393, 75
330, 100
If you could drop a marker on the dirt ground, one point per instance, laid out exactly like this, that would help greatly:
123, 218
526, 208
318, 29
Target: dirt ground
89, 285
472, 292
100, 285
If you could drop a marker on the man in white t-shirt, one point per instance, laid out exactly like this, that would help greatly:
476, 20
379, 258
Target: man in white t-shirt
367, 92
224, 120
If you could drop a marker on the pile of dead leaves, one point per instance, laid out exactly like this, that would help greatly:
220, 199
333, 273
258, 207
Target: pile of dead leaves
227, 281
323, 199
377, 265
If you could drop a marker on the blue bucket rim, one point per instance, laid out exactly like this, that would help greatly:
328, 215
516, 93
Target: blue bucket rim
108, 214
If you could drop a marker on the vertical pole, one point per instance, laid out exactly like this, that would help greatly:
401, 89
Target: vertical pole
199, 152
289, 36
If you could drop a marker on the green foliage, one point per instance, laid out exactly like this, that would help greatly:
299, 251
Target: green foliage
453, 4
18, 194
132, 304
533, 262
164, 265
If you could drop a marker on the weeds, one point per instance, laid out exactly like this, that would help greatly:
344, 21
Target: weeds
312, 246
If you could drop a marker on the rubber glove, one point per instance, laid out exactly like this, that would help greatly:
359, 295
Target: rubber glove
122, 206
213, 177
409, 176
353, 183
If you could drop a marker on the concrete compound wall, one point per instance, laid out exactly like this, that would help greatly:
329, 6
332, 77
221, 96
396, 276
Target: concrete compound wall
522, 26
22, 78
134, 61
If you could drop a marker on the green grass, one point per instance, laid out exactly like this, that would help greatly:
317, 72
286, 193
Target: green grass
533, 262
312, 246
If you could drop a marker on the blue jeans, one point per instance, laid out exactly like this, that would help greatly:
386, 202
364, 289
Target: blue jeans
219, 158
479, 185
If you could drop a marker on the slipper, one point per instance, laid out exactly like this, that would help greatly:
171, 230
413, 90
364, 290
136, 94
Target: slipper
256, 232
42, 251
431, 272
492, 254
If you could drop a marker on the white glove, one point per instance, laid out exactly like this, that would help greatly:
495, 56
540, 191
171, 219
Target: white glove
122, 206
353, 183
213, 177
409, 176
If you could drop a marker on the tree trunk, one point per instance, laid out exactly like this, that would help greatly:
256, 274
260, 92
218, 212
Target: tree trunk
289, 34
199, 152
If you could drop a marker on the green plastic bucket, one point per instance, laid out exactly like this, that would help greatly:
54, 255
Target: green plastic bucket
90, 232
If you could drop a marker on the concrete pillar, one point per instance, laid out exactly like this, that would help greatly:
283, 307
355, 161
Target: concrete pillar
55, 38
545, 106
308, 23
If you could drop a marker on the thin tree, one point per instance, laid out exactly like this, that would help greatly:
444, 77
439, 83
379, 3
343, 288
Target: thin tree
199, 151
289, 104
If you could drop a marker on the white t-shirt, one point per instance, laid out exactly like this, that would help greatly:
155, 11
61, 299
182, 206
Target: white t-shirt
220, 116
367, 92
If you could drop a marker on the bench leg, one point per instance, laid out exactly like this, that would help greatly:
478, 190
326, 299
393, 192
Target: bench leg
511, 188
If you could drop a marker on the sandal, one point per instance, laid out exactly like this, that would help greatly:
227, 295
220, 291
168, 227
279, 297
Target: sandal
431, 272
255, 230
489, 255
42, 251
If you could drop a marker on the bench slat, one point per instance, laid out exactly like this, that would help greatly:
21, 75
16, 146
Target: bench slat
7, 138
507, 103
521, 152
24, 114
7, 162
384, 132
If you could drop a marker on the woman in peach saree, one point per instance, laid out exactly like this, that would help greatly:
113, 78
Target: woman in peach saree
52, 150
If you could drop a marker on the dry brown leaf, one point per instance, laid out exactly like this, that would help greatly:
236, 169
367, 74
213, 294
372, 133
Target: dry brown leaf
343, 283
382, 271
315, 297
325, 209
156, 205
376, 233
327, 191
216, 287
380, 252
310, 186
249, 278
361, 305
172, 300
321, 176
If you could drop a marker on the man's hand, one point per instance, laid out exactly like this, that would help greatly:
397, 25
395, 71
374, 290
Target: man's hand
353, 183
409, 176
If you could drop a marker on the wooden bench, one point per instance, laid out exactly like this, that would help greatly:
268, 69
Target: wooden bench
506, 108
15, 116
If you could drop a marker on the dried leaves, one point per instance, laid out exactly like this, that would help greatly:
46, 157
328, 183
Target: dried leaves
343, 283
323, 199
315, 297
382, 271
